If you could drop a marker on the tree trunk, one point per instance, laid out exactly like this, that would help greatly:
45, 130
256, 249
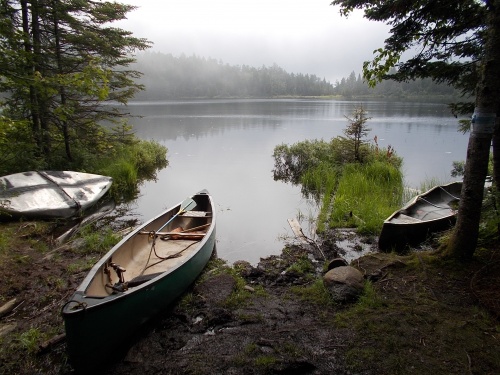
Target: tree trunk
34, 109
37, 58
463, 241
64, 123
496, 156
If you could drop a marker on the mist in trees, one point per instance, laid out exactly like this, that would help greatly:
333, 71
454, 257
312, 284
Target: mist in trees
169, 77
192, 77
354, 85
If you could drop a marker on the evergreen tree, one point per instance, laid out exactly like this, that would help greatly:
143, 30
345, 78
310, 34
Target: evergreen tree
61, 61
356, 131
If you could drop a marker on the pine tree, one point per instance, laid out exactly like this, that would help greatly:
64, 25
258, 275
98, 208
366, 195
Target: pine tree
72, 63
357, 130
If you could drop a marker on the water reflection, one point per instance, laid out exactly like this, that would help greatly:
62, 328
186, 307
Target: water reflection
227, 146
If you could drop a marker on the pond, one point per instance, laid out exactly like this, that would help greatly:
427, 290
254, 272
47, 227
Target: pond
226, 147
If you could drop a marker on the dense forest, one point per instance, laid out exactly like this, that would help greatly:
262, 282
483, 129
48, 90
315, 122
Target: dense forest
169, 77
353, 86
188, 77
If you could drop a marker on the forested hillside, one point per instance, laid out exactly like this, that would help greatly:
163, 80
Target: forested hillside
355, 86
192, 77
169, 77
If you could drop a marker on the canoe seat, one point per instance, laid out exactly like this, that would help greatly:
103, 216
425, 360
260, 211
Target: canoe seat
196, 214
136, 281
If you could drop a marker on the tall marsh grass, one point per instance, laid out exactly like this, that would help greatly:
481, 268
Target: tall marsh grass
131, 164
321, 181
366, 194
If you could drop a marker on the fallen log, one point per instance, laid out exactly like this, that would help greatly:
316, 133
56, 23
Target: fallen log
46, 345
7, 307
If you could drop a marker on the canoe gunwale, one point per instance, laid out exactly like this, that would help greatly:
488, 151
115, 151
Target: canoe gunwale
398, 234
94, 301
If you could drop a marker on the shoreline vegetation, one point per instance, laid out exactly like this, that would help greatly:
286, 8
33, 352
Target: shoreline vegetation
356, 183
168, 77
413, 306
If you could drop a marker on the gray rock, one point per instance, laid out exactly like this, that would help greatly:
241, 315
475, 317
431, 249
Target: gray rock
344, 283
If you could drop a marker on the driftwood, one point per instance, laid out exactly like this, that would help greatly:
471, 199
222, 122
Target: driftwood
46, 345
7, 307
299, 233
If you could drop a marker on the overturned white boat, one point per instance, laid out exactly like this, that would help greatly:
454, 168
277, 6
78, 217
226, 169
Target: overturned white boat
50, 194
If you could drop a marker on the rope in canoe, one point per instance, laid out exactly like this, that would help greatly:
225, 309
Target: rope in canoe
153, 250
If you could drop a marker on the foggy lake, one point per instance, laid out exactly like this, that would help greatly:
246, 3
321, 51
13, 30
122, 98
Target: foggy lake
226, 147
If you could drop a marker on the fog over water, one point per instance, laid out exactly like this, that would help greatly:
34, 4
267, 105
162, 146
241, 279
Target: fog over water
301, 36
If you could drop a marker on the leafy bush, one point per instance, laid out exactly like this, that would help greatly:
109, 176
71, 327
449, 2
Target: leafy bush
291, 162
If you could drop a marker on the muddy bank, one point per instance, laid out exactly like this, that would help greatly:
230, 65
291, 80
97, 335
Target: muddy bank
246, 320
418, 315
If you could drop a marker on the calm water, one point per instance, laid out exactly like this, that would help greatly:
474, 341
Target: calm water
226, 147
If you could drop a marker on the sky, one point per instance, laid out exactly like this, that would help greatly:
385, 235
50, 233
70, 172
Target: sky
300, 36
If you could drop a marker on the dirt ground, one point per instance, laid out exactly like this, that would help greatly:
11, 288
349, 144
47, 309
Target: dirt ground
419, 314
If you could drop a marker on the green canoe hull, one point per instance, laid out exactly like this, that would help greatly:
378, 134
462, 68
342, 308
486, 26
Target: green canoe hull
97, 328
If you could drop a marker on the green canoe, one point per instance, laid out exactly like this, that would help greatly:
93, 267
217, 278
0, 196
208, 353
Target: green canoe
139, 277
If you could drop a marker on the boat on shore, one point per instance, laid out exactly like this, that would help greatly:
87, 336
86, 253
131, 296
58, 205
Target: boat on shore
427, 213
50, 194
139, 277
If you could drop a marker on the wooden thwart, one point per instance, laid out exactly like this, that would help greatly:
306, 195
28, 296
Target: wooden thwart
183, 236
187, 231
196, 214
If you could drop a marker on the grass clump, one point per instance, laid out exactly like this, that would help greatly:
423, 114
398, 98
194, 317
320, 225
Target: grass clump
97, 241
131, 163
366, 195
5, 240
84, 264
315, 293
32, 233
30, 339
303, 266
366, 304
240, 295
265, 361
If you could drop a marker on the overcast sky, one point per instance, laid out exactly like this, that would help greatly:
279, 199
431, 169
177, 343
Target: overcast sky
301, 36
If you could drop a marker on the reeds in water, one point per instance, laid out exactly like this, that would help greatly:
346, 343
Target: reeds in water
366, 194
